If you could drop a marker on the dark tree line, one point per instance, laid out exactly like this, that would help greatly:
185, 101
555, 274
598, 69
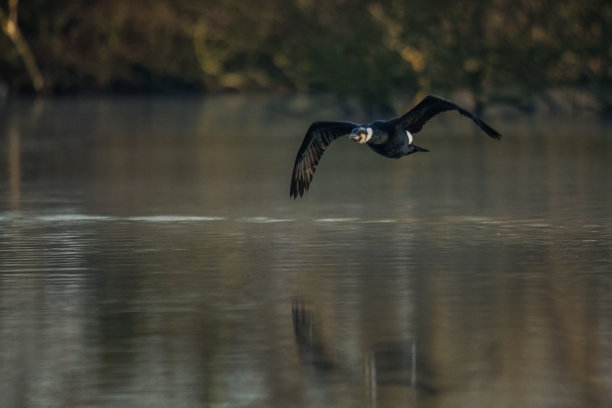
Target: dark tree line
498, 49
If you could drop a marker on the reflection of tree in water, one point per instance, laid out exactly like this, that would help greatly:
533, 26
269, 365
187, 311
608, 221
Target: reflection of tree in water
384, 364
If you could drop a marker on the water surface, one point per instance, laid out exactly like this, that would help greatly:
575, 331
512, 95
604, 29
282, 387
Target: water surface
150, 256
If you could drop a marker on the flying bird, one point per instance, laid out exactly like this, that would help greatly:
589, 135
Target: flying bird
392, 138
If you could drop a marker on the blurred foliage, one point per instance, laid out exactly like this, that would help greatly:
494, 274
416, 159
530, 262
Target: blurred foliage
356, 49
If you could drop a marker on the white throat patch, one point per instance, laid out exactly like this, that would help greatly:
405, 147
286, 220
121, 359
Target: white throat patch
368, 133
410, 138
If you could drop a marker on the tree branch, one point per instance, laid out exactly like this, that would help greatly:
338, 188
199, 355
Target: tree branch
11, 29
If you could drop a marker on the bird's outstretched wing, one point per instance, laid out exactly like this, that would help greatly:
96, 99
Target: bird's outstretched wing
318, 137
429, 107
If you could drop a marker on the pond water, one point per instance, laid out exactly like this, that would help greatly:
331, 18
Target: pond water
150, 256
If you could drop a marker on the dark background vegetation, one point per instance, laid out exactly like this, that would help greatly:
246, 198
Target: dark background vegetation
502, 51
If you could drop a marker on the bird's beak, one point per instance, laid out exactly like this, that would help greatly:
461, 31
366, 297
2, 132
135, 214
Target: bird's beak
358, 137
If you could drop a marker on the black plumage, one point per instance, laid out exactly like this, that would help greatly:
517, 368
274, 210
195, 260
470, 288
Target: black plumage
392, 138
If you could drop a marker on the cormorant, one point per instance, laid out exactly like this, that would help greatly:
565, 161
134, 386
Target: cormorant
392, 138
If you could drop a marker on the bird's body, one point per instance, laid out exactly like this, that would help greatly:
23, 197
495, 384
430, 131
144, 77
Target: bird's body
392, 138
390, 142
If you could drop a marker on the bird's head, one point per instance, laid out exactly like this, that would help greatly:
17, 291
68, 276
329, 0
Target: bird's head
361, 134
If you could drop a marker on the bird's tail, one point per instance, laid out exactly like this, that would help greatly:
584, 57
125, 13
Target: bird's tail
415, 148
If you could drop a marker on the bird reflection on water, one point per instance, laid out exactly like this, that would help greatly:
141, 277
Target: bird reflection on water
384, 364
311, 348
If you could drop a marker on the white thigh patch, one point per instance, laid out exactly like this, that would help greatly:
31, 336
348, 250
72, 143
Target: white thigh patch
410, 138
368, 133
